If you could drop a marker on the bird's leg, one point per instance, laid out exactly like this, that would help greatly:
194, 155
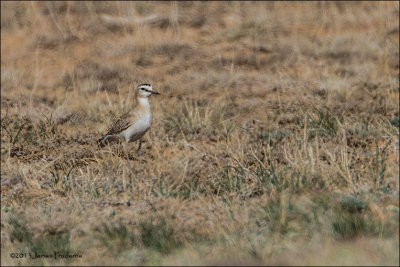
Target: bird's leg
125, 144
140, 145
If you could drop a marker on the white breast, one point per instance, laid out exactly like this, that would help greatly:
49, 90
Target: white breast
138, 128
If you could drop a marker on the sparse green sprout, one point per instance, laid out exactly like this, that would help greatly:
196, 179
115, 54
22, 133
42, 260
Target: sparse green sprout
395, 121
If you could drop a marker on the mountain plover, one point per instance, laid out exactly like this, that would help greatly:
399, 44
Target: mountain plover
133, 124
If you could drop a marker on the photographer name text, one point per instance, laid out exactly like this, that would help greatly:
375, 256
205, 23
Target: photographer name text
54, 255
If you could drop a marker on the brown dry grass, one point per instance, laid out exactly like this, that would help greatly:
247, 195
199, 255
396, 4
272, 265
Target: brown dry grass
275, 139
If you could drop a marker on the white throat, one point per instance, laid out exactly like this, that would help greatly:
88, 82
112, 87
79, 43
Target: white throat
144, 102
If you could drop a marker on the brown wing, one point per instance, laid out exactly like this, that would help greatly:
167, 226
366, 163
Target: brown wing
120, 124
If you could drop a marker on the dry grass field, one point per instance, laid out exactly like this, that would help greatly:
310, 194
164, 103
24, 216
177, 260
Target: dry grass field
275, 139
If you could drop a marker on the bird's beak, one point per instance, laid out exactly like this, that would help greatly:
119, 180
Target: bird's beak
155, 92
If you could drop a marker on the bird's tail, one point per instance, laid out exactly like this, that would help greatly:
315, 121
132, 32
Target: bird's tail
100, 142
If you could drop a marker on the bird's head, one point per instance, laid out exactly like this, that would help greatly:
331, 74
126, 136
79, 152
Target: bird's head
146, 90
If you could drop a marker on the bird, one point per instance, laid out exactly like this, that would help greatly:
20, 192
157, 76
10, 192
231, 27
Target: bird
132, 125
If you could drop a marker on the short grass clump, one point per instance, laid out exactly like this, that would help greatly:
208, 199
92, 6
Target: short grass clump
192, 120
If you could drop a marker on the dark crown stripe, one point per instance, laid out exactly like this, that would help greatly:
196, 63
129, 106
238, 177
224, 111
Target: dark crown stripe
145, 84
